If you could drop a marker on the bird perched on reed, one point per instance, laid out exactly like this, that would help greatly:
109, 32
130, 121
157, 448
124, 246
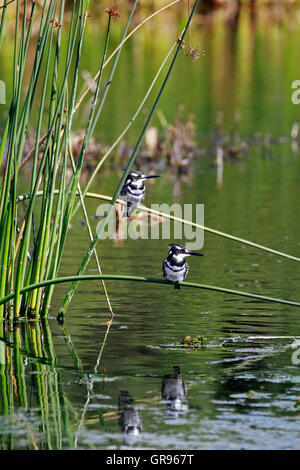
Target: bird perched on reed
175, 267
133, 191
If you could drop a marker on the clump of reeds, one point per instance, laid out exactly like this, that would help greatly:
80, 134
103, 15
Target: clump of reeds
31, 247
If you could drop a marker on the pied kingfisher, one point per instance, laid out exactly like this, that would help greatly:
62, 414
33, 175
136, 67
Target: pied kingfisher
175, 268
133, 191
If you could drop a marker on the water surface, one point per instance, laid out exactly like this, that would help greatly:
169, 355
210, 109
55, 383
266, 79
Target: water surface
242, 392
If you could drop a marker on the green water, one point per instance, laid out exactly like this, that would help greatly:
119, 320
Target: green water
242, 392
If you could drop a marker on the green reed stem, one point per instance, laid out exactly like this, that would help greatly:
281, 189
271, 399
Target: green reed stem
3, 14
115, 277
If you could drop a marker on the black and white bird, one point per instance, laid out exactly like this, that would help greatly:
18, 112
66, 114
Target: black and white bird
175, 268
133, 191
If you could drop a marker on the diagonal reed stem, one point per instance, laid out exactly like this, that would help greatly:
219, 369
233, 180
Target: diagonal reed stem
102, 197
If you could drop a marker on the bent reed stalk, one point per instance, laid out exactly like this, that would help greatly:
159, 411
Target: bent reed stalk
117, 277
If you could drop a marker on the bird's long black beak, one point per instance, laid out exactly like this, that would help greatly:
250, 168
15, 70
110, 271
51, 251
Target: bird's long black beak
146, 177
196, 253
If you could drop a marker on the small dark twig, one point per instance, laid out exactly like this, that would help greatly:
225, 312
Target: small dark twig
7, 3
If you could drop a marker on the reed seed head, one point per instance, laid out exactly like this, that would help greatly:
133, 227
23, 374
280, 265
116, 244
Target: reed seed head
112, 12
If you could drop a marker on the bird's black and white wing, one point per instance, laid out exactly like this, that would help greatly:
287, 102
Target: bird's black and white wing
123, 197
164, 268
186, 271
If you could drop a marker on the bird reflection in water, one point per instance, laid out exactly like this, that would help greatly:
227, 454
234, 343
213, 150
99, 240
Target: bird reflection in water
129, 418
173, 392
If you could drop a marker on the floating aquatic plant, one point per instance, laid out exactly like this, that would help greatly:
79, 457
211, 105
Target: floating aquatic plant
194, 343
